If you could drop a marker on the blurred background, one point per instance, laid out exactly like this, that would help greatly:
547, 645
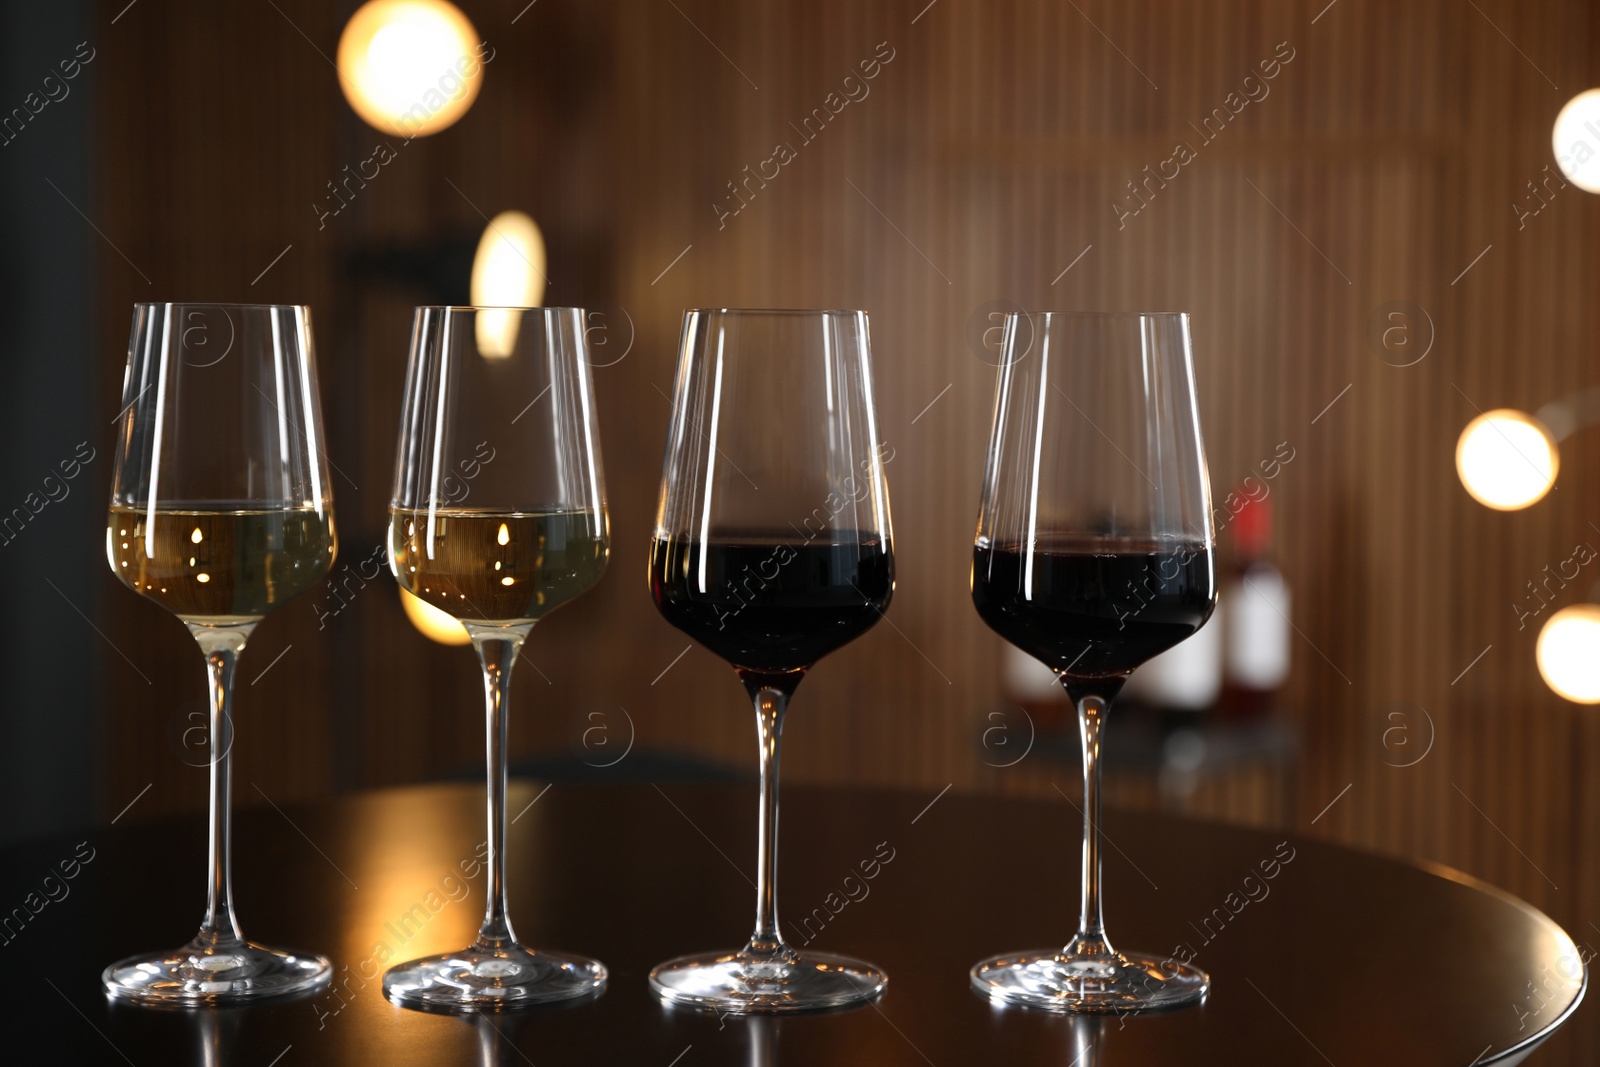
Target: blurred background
1358, 202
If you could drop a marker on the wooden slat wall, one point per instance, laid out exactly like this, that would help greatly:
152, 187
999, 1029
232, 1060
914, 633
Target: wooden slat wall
986, 157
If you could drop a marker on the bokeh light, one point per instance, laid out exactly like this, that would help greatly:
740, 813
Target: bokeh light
1506, 459
1576, 140
507, 273
1569, 653
434, 624
410, 67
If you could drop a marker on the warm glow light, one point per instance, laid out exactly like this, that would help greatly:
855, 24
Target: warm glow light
196, 537
434, 624
1576, 140
1507, 460
202, 577
504, 536
410, 67
507, 272
1569, 653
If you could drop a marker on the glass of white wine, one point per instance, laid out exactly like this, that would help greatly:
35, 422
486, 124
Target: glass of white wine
498, 518
220, 512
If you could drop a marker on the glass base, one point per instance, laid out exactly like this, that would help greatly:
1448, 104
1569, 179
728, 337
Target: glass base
742, 982
1124, 982
198, 975
501, 979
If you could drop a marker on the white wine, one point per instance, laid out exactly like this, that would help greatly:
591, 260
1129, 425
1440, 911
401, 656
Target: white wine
497, 567
220, 567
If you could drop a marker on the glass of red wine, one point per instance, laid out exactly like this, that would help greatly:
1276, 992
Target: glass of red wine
1093, 554
772, 548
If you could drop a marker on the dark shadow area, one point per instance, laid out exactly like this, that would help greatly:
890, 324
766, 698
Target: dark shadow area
53, 438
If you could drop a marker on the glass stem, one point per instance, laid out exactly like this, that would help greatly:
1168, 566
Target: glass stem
497, 651
1091, 940
770, 704
220, 930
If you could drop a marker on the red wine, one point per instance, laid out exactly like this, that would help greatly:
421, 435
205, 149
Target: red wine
1093, 611
770, 607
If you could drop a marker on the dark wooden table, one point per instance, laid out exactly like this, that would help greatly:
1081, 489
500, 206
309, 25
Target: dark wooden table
1342, 958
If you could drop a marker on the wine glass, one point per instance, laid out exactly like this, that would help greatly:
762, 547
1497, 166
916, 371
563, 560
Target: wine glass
498, 518
1093, 554
220, 512
772, 548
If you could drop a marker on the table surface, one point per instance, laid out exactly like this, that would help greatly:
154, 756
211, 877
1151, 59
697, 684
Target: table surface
1341, 957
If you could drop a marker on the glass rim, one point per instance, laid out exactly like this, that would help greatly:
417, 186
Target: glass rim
1102, 314
983, 540
219, 304
491, 307
772, 311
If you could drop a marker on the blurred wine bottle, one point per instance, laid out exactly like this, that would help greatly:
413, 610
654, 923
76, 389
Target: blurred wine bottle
1186, 680
1256, 628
